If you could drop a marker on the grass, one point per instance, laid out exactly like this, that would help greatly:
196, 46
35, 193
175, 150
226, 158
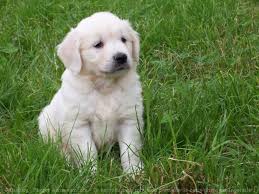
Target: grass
199, 69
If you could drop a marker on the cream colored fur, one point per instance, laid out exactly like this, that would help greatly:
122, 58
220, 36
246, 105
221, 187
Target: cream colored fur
94, 107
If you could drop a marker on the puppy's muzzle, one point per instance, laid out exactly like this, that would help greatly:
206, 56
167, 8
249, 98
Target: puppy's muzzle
120, 62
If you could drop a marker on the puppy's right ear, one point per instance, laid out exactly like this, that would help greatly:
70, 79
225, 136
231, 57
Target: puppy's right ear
68, 52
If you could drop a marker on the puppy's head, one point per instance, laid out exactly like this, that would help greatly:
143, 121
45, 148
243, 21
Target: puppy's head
101, 45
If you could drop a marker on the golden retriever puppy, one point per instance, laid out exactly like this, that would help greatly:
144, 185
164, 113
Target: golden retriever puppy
99, 101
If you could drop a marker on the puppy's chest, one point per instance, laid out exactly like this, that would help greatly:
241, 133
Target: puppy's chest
104, 117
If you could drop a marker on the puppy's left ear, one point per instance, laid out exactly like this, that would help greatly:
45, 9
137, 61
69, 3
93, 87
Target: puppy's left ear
68, 52
135, 43
135, 47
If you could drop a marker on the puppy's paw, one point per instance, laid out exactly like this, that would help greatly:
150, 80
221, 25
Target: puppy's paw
134, 171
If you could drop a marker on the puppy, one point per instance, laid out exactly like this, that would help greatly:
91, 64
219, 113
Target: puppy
100, 100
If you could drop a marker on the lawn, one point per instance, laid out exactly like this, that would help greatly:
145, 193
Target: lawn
200, 76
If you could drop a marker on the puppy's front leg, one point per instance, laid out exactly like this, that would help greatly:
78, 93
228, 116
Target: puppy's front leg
130, 145
83, 146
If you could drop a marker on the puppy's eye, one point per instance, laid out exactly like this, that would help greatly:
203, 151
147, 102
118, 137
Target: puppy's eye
99, 44
123, 39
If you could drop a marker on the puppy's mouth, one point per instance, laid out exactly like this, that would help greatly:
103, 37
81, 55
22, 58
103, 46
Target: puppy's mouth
117, 69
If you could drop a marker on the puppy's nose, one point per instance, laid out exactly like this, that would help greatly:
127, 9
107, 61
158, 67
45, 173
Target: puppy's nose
120, 58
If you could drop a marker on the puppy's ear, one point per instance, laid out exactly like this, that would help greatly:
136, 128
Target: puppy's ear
135, 46
135, 42
68, 52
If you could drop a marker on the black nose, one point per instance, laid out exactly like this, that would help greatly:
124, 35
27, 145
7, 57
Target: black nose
120, 58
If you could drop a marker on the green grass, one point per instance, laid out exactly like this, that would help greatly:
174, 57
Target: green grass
199, 69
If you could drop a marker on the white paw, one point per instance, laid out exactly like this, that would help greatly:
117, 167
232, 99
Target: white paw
134, 169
